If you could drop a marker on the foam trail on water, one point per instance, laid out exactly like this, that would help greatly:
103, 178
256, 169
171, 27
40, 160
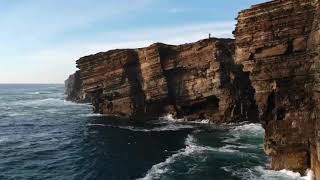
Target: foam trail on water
191, 149
170, 118
243, 131
167, 127
34, 93
260, 173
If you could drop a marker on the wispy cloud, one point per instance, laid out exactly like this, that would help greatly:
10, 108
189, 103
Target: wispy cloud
54, 64
41, 40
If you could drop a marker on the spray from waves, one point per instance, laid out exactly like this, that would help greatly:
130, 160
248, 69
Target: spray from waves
191, 149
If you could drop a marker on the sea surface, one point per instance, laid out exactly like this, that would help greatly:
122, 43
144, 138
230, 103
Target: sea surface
44, 137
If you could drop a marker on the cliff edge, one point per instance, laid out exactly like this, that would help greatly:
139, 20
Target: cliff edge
196, 81
278, 44
269, 73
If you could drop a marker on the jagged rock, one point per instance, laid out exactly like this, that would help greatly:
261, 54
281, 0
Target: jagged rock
197, 80
271, 44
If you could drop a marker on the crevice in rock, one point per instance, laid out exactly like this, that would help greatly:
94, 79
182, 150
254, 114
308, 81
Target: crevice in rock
281, 113
271, 106
137, 96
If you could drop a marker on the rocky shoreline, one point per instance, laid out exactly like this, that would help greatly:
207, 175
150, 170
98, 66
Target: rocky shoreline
268, 74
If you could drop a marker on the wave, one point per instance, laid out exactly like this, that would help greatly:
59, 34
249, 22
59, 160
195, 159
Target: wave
48, 101
4, 139
167, 127
34, 93
191, 149
260, 173
170, 118
271, 174
251, 130
92, 115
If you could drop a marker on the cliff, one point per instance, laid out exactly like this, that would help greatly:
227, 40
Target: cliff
278, 44
270, 73
196, 80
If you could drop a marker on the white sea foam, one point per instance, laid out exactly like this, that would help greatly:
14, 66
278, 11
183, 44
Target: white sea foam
21, 113
251, 130
33, 93
92, 115
260, 173
170, 118
3, 139
102, 125
167, 127
191, 149
48, 102
284, 174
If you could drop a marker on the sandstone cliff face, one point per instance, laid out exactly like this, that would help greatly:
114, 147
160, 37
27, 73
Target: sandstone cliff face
272, 45
195, 81
270, 73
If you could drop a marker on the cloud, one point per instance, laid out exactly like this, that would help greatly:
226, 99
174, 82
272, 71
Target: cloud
54, 64
39, 40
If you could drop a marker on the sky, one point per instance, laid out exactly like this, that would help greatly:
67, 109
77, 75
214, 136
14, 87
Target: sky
40, 40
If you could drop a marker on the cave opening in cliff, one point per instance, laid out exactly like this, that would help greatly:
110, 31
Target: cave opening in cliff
210, 104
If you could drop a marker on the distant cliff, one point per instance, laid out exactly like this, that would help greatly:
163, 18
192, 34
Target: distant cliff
197, 80
269, 73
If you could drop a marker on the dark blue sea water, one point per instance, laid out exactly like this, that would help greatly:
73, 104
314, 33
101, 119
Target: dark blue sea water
42, 136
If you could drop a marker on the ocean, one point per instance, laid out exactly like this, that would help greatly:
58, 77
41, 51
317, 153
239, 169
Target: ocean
42, 136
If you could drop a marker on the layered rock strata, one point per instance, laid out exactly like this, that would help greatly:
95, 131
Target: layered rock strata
270, 73
197, 80
278, 44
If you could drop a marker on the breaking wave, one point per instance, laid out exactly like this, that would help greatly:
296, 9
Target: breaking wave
48, 102
170, 118
244, 131
167, 127
261, 173
191, 149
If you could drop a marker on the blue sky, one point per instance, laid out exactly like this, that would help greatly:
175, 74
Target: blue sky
40, 40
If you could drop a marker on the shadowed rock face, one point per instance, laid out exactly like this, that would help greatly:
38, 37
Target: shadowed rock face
197, 80
73, 87
278, 44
